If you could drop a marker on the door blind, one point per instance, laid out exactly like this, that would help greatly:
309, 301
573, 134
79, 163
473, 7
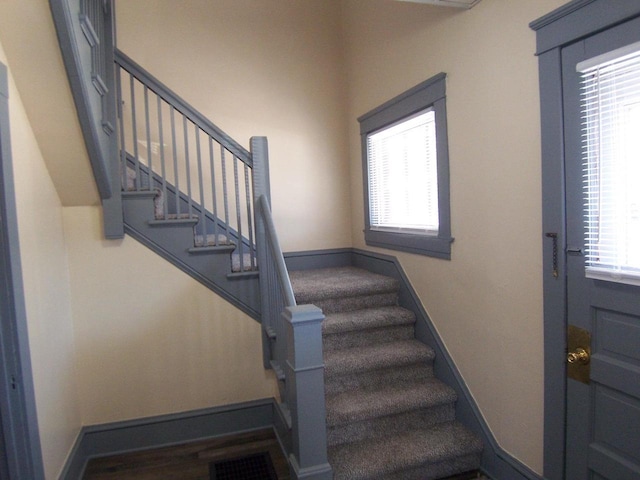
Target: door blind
403, 175
610, 101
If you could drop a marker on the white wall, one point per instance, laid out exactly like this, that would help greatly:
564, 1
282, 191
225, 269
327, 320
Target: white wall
269, 68
487, 301
150, 339
46, 290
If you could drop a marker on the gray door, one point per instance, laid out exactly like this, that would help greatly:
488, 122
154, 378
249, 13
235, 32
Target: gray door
603, 415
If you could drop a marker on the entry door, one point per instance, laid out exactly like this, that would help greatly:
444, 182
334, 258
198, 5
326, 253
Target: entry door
603, 415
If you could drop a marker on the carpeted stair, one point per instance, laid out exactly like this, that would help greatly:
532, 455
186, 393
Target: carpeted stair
388, 417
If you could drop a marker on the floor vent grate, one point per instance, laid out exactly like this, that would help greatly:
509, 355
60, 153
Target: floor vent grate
250, 467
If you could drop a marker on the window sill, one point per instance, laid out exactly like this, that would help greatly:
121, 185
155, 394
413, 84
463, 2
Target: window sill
430, 246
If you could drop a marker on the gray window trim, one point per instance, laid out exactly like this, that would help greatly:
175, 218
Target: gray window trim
430, 93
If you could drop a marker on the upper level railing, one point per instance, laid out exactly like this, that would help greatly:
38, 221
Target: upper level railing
198, 171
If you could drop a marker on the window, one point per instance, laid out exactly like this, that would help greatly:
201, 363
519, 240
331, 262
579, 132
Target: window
610, 104
401, 163
406, 172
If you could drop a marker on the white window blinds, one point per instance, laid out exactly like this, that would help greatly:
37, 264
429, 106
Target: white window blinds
611, 163
403, 175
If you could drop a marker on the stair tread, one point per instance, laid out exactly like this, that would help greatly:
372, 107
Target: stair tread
409, 450
243, 275
324, 283
173, 222
212, 249
177, 216
357, 405
367, 318
386, 355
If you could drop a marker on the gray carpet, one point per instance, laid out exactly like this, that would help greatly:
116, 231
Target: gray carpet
388, 417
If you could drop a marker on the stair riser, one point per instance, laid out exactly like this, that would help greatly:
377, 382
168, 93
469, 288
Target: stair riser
385, 317
363, 366
138, 207
364, 338
434, 471
373, 379
211, 240
389, 425
349, 304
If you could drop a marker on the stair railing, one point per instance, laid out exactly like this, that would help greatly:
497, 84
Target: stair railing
200, 174
292, 342
203, 176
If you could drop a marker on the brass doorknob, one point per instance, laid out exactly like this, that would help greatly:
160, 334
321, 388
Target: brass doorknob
579, 355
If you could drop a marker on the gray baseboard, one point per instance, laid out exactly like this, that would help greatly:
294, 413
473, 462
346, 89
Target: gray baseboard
496, 462
165, 430
338, 257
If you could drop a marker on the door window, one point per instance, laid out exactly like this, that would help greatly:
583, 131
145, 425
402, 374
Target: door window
610, 104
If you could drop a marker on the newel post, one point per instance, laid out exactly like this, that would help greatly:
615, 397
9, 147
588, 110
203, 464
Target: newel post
260, 174
260, 158
305, 392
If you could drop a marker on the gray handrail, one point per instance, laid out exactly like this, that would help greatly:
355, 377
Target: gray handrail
293, 348
182, 106
276, 251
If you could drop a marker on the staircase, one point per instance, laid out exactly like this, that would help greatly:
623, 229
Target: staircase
180, 185
388, 417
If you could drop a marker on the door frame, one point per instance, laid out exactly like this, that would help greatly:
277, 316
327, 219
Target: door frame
22, 455
572, 22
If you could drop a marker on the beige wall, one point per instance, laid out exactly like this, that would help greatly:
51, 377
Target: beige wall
46, 290
299, 72
302, 72
261, 68
150, 339
487, 301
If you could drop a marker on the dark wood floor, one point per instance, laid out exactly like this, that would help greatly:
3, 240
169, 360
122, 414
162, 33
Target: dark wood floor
189, 461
